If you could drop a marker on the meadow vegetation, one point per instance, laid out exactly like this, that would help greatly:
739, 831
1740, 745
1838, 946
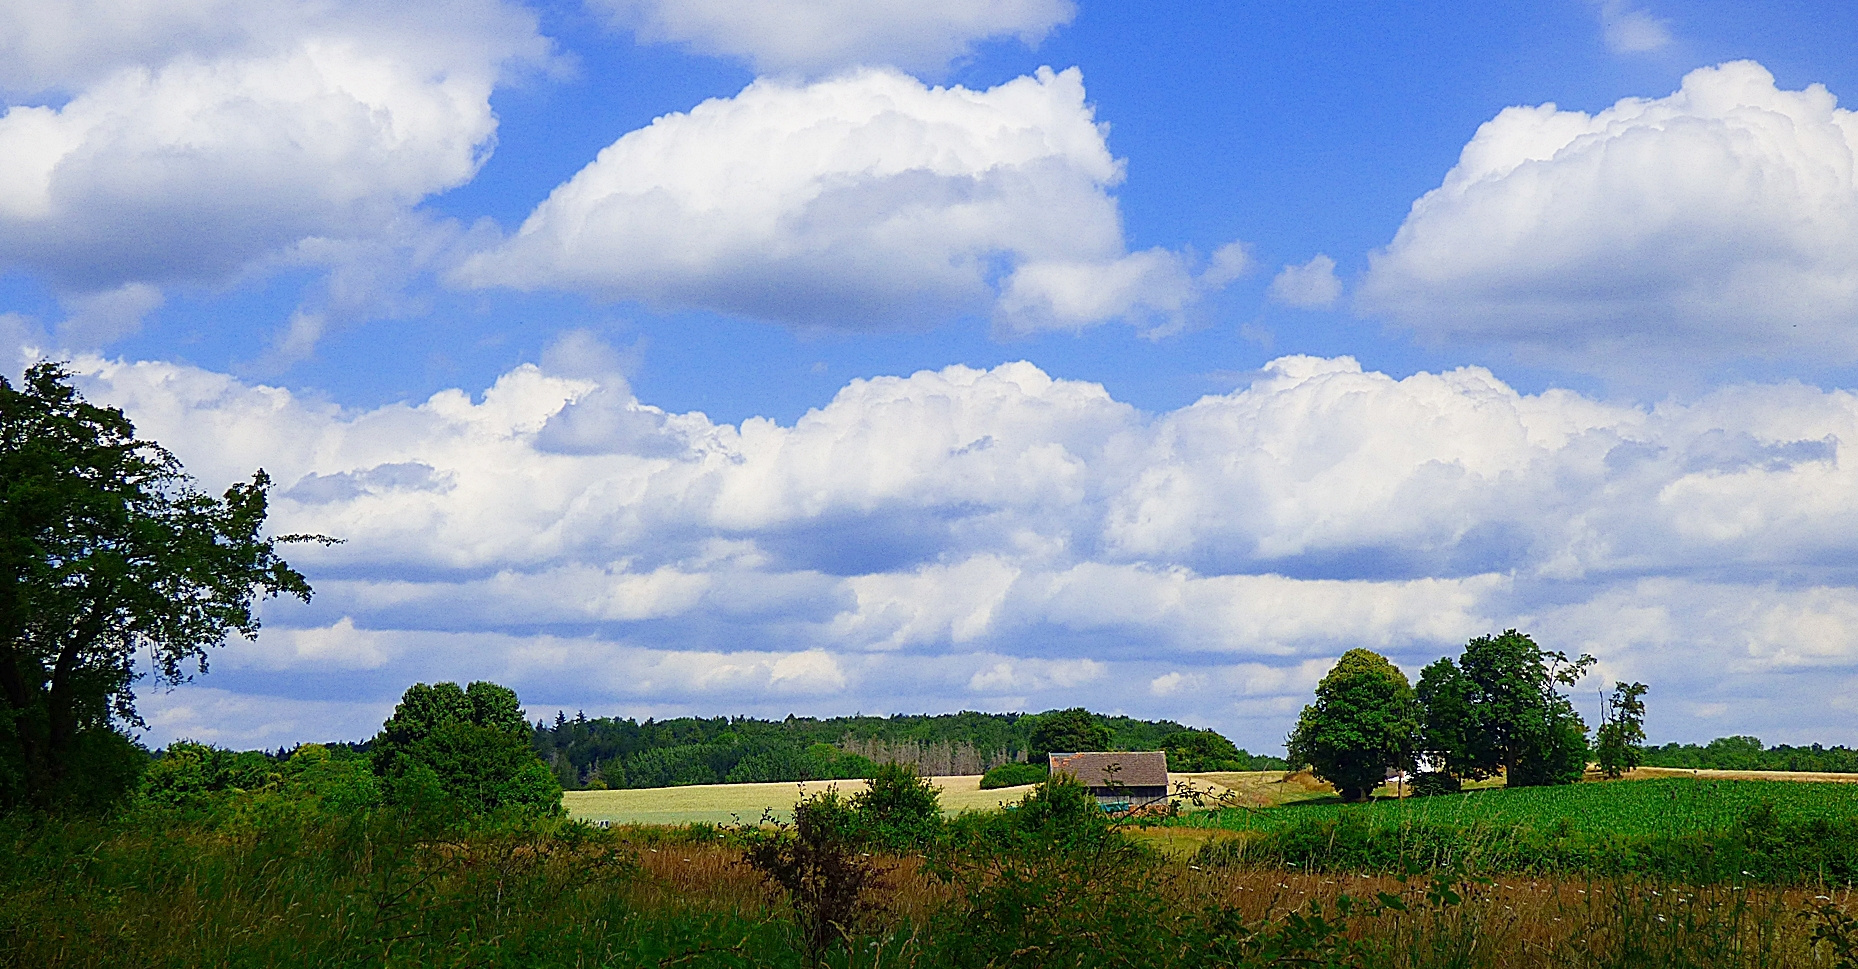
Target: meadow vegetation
1695, 831
311, 867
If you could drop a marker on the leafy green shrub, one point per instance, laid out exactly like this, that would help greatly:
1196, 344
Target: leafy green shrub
1059, 815
1101, 905
340, 784
900, 808
1012, 774
819, 868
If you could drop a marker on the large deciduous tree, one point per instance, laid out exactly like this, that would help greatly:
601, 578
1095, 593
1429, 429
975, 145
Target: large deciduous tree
1363, 723
107, 551
1448, 730
1500, 709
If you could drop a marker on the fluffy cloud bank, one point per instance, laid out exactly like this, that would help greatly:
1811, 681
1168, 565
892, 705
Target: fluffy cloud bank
869, 200
1718, 222
815, 35
1001, 538
149, 143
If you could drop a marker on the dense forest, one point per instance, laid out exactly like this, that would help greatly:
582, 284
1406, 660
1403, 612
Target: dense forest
1747, 753
612, 753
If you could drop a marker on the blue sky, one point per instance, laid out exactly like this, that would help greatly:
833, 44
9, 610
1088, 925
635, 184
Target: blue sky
1238, 338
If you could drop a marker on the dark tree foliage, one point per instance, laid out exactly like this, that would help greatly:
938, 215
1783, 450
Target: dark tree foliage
468, 746
107, 551
1500, 709
1362, 724
1448, 731
585, 751
679, 765
1067, 732
818, 762
1619, 744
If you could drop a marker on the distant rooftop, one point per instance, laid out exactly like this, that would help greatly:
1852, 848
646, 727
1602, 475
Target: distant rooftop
1129, 768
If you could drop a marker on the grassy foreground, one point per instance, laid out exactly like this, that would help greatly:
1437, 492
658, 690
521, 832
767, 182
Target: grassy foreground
250, 880
392, 891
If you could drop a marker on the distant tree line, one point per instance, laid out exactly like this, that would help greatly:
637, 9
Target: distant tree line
1747, 753
607, 752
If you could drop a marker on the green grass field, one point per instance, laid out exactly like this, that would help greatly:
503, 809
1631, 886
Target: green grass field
1638, 807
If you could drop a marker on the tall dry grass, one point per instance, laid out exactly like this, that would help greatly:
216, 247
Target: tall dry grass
546, 895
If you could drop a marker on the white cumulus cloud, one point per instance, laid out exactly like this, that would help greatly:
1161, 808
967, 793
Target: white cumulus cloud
1718, 222
869, 200
823, 35
1002, 537
154, 142
1312, 285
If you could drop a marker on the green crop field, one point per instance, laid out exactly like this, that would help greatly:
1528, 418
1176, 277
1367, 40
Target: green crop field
1686, 829
1647, 807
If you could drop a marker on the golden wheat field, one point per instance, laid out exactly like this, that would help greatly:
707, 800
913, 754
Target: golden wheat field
729, 803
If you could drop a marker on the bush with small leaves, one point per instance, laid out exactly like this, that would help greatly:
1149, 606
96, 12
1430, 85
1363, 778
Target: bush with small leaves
1013, 774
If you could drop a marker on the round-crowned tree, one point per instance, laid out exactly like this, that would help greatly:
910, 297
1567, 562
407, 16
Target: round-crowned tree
1524, 724
1363, 722
468, 746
